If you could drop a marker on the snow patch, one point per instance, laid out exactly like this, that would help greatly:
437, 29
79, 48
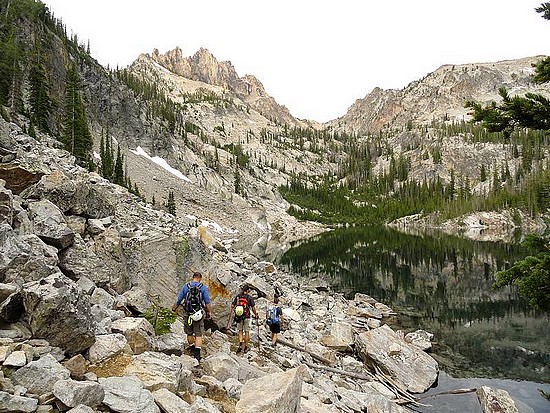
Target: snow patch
160, 162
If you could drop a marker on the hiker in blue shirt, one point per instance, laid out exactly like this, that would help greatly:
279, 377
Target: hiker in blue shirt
195, 300
274, 319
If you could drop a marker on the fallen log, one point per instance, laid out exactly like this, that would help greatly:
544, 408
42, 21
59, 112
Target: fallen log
368, 376
312, 354
457, 391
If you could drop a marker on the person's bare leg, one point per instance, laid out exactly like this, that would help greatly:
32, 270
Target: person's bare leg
240, 341
198, 341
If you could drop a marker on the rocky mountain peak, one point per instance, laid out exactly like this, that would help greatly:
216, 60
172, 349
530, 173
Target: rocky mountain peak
440, 94
204, 67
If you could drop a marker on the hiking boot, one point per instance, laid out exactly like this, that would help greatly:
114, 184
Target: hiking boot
197, 353
241, 347
246, 349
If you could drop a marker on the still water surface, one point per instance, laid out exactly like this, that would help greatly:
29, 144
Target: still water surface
441, 284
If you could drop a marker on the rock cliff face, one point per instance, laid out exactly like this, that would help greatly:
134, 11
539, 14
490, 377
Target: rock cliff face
440, 94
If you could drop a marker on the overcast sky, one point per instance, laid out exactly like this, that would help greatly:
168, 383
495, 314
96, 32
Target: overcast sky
316, 57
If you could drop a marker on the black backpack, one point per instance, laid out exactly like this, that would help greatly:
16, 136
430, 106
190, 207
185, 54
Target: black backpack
193, 298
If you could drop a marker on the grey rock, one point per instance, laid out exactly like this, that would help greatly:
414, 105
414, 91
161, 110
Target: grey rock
86, 285
233, 388
420, 338
137, 300
127, 395
106, 346
59, 313
273, 393
169, 402
171, 343
73, 393
16, 359
157, 370
77, 366
6, 206
201, 405
95, 226
340, 337
221, 366
102, 298
138, 331
49, 224
20, 404
495, 400
81, 409
40, 376
24, 257
82, 260
412, 368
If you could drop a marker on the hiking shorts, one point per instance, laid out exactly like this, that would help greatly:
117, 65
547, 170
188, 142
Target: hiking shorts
196, 328
244, 325
275, 328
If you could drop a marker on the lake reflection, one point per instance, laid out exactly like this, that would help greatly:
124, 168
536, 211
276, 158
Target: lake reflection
442, 284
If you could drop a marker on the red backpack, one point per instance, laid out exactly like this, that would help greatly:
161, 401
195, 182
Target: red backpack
242, 300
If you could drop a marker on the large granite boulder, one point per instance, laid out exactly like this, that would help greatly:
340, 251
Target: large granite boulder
160, 371
495, 400
81, 260
40, 376
73, 393
340, 337
127, 395
49, 224
106, 346
85, 197
415, 370
59, 312
138, 331
273, 393
19, 178
24, 257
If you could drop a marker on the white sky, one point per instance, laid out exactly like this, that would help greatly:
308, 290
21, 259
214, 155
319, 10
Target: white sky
316, 57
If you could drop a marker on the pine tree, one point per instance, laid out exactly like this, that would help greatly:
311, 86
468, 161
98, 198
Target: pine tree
40, 101
8, 65
171, 204
76, 136
32, 131
483, 173
530, 111
119, 168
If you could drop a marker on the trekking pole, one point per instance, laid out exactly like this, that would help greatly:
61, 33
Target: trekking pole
258, 322
228, 322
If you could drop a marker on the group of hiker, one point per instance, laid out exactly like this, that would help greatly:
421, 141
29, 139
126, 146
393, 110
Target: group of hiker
195, 300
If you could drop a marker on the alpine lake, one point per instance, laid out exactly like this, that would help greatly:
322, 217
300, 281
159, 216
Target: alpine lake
444, 285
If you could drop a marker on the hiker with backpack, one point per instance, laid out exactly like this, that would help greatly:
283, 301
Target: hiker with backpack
241, 307
274, 318
195, 300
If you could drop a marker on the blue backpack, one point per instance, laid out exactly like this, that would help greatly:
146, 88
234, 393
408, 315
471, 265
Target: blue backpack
272, 317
